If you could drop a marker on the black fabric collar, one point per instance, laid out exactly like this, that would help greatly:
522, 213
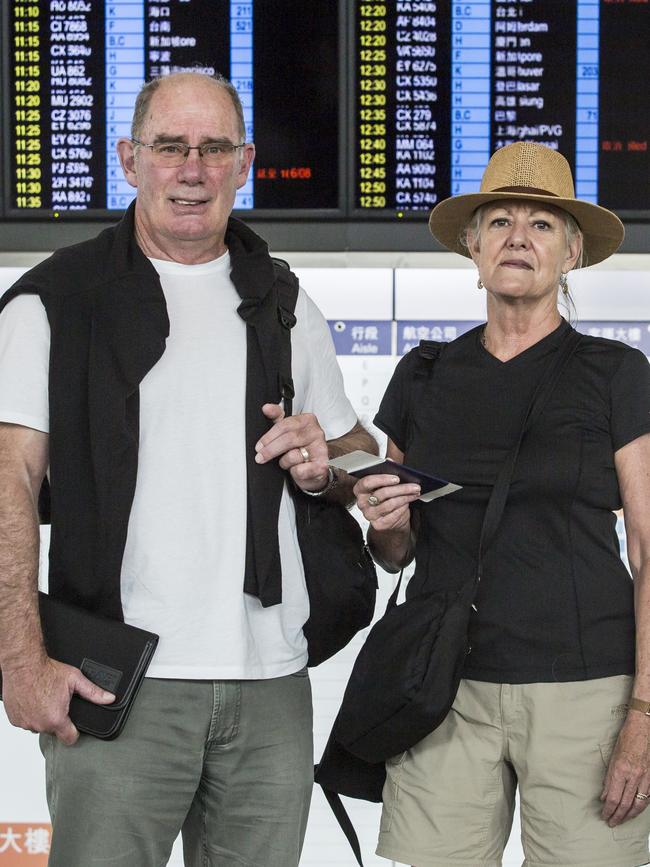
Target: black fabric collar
254, 277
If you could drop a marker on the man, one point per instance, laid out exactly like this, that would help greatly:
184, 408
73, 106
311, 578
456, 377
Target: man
168, 505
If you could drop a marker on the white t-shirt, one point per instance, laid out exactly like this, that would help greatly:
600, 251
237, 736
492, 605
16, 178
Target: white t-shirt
183, 567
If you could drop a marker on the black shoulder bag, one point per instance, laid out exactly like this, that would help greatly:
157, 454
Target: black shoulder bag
339, 571
406, 676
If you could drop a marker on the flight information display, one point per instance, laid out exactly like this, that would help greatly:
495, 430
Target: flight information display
357, 107
76, 67
440, 85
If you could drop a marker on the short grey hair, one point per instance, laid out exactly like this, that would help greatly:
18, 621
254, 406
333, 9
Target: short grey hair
571, 228
143, 99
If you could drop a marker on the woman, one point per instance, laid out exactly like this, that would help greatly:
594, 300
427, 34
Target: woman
553, 698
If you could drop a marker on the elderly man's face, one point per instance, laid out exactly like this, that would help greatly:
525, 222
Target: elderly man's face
182, 211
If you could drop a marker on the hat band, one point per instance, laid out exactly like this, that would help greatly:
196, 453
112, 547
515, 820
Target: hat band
531, 190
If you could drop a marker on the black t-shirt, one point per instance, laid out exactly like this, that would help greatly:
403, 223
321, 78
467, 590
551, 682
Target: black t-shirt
555, 601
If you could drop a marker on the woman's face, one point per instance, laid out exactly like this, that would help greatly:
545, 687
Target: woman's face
522, 250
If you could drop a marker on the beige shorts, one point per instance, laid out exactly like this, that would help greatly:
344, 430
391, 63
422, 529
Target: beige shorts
450, 799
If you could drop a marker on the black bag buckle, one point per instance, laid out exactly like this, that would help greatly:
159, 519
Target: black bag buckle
429, 349
287, 391
286, 317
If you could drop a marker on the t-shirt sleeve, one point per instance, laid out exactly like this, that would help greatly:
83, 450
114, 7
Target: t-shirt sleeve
24, 363
630, 399
394, 411
317, 376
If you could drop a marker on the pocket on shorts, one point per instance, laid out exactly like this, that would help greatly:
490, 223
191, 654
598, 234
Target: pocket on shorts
391, 791
606, 751
631, 828
302, 673
636, 828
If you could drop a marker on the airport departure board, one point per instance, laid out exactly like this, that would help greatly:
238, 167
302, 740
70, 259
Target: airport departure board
358, 108
441, 85
77, 65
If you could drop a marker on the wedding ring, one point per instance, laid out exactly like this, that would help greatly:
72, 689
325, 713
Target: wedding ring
305, 454
372, 500
642, 796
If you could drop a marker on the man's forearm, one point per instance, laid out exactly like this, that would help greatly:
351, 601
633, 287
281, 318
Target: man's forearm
357, 439
21, 640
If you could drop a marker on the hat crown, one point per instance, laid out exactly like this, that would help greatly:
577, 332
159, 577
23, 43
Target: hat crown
528, 166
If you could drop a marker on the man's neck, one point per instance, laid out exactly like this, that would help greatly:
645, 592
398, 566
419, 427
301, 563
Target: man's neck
195, 252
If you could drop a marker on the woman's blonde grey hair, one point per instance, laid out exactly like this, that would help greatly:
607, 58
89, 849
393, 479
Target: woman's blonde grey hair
143, 100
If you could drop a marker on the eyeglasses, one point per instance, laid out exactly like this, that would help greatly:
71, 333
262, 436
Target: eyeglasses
174, 153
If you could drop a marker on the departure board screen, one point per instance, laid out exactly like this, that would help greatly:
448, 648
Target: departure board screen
76, 66
357, 108
440, 85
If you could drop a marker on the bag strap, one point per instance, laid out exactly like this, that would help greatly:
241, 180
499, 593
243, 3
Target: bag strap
543, 391
340, 813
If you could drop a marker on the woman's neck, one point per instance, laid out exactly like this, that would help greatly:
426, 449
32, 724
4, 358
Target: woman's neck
509, 331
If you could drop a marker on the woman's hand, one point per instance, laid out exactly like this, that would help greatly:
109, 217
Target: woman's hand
628, 773
385, 502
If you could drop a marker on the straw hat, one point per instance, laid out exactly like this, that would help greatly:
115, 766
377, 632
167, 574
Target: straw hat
530, 172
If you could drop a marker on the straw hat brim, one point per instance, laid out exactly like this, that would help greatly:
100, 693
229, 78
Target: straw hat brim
602, 230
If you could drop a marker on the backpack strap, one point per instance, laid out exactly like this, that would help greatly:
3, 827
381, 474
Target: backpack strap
335, 802
427, 354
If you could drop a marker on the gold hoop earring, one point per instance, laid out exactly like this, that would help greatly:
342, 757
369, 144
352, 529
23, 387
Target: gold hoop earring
564, 284
479, 284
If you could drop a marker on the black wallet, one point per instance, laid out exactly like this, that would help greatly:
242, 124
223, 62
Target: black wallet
112, 654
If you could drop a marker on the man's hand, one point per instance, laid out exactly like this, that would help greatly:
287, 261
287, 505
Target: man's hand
299, 443
38, 699
628, 772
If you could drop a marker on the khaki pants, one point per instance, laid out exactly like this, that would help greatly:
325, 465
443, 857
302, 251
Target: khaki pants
449, 801
230, 763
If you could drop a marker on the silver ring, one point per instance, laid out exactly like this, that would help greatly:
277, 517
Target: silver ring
372, 500
642, 796
305, 454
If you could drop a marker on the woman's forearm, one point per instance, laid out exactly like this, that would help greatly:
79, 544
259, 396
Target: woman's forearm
392, 549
